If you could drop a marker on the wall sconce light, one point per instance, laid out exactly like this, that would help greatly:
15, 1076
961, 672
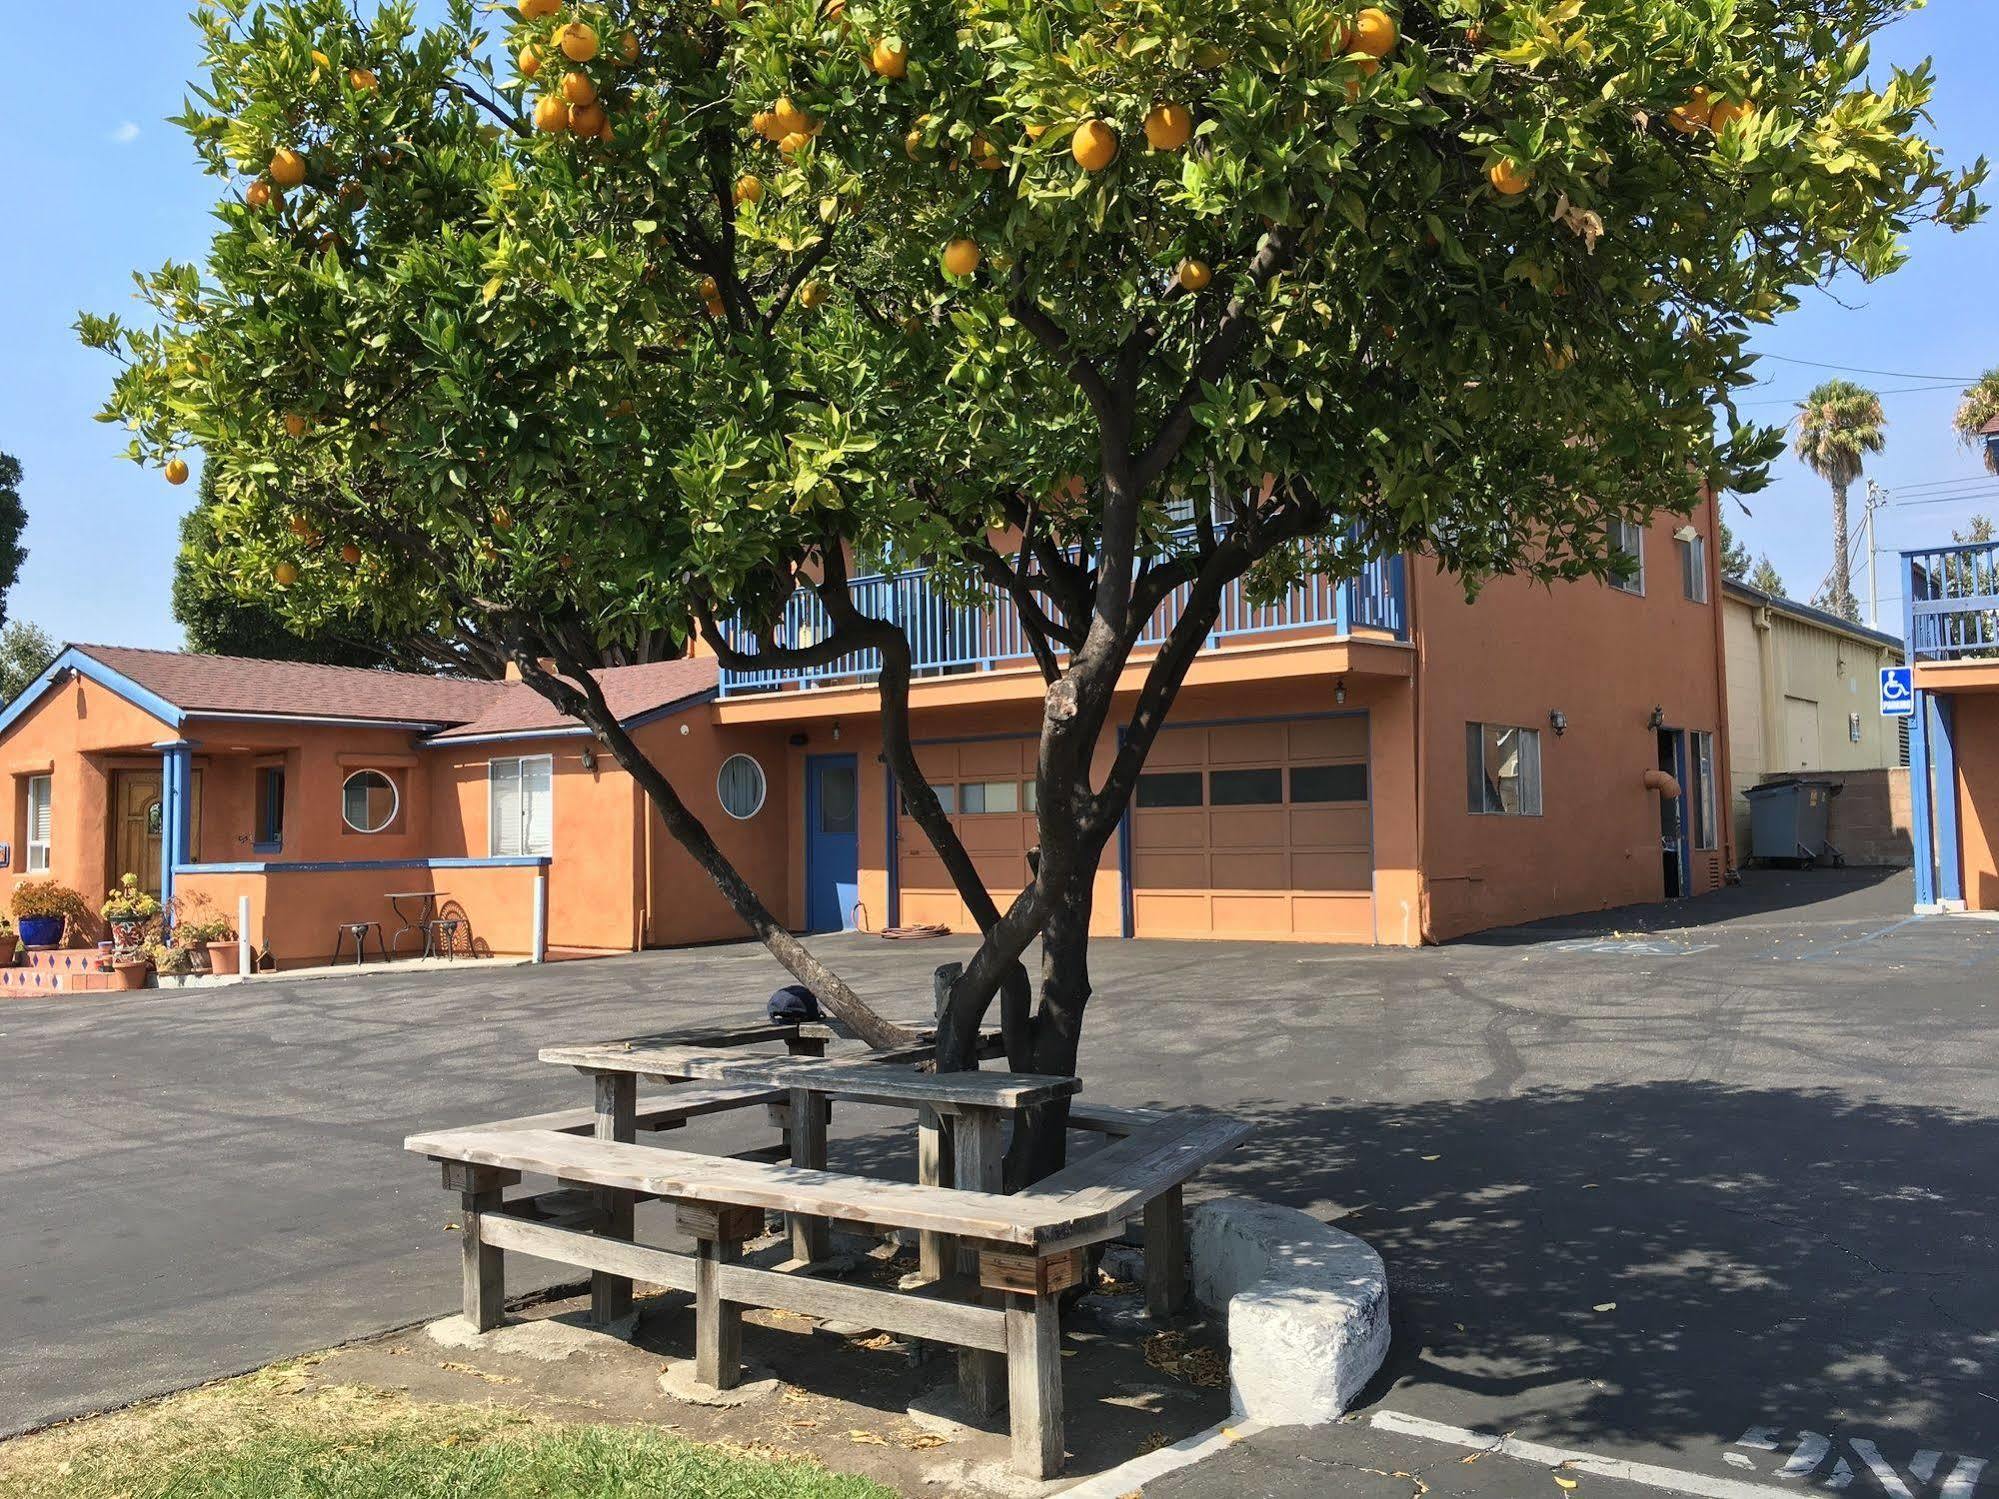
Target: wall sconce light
836, 731
1558, 721
589, 758
685, 731
1657, 720
1686, 533
1340, 690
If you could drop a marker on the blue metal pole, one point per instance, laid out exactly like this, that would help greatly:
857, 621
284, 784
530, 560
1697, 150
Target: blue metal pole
176, 812
1919, 802
1950, 857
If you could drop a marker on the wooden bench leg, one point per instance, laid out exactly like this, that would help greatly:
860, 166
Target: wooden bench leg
484, 1278
1034, 1382
936, 1253
1165, 1254
978, 1148
811, 1239
718, 1234
617, 1119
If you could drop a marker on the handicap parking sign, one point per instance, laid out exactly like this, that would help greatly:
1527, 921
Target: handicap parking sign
1898, 692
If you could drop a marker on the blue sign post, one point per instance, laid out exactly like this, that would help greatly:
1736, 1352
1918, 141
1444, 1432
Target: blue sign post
1898, 692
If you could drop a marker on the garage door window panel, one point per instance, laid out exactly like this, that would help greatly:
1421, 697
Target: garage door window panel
1329, 783
1170, 788
977, 797
1262, 787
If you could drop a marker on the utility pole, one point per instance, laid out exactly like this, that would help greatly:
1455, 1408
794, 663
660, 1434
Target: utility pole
1876, 498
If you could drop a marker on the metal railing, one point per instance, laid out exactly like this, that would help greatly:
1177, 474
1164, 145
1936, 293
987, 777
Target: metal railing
986, 635
1953, 601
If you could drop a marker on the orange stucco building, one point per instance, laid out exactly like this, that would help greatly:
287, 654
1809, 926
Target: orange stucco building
1370, 761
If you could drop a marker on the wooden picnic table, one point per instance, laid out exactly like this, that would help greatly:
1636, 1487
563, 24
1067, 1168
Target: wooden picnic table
994, 1265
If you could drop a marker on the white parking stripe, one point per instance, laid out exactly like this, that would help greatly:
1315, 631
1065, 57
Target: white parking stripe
1883, 1471
1963, 1478
1812, 1449
1707, 1486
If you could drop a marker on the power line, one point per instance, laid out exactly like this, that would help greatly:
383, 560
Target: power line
1856, 370
1900, 390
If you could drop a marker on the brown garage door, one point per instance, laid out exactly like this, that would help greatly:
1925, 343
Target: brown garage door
988, 788
1255, 830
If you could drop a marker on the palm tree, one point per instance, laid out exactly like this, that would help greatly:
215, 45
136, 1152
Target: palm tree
1977, 419
1838, 425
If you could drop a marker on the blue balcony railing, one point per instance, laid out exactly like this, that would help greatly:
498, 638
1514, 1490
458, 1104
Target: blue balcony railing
1953, 601
947, 638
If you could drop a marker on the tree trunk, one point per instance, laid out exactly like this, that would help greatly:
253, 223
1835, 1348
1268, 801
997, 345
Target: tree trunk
1842, 574
1040, 1141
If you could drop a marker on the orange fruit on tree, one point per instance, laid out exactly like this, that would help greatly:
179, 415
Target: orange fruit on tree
362, 80
286, 573
539, 10
551, 114
320, 59
714, 307
606, 134
287, 167
1508, 178
985, 155
529, 62
1727, 111
176, 471
1688, 118
795, 142
1368, 68
586, 119
749, 188
813, 294
961, 257
628, 47
503, 518
912, 144
1094, 145
1372, 32
295, 423
578, 41
890, 57
1168, 127
710, 289
350, 554
261, 194
1036, 129
302, 528
1194, 275
764, 123
786, 118
577, 88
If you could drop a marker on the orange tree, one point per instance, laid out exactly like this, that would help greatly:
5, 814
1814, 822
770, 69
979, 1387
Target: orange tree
582, 320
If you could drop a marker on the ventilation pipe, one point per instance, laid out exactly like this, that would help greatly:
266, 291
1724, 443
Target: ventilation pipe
1660, 781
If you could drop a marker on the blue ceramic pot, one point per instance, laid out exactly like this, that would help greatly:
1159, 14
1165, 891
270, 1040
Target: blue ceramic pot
40, 931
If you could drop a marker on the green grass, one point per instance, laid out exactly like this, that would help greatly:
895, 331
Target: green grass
266, 1437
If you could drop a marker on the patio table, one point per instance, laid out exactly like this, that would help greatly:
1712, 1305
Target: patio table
961, 1119
426, 914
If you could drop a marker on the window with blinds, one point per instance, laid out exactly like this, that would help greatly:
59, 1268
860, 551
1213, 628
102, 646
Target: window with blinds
519, 794
41, 822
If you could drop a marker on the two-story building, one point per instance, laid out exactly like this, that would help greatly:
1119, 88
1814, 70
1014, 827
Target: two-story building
1373, 761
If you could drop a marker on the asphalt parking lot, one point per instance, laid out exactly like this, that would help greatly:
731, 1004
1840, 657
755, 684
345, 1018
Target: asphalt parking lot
1706, 1186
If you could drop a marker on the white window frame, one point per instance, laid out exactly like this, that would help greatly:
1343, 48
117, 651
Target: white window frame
1531, 798
498, 771
763, 786
1693, 569
44, 847
395, 804
1629, 538
1705, 810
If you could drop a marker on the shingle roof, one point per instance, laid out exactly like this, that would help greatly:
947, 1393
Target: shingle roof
240, 684
629, 690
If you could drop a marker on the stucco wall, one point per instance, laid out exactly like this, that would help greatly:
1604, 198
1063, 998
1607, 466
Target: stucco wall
1975, 736
1605, 659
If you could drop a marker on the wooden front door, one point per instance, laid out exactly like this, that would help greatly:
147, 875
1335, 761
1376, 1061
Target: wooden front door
137, 809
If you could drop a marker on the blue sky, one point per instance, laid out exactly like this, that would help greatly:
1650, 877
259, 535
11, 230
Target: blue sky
98, 186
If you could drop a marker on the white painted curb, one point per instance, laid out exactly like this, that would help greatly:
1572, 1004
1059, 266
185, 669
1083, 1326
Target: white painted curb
1307, 1309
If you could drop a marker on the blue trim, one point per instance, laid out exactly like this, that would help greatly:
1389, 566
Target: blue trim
1950, 857
892, 855
347, 866
177, 813
75, 660
816, 841
318, 720
1920, 782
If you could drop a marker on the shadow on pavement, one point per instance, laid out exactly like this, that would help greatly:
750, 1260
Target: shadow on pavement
1863, 894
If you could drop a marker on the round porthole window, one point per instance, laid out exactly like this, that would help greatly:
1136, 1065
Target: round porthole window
368, 801
741, 787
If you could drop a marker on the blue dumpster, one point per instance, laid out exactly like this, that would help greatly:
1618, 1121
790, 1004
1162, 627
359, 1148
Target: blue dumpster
1789, 820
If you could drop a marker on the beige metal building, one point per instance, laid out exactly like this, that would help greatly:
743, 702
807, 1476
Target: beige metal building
1803, 697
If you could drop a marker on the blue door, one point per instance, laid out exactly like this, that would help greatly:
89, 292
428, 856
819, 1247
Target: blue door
832, 842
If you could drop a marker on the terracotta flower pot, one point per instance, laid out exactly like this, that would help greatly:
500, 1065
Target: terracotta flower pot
224, 957
9, 945
131, 973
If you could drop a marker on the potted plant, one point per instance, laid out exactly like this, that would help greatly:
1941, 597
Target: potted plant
10, 941
130, 911
211, 942
169, 959
131, 965
43, 908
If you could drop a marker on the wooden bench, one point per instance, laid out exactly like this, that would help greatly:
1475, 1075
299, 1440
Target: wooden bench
1024, 1249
